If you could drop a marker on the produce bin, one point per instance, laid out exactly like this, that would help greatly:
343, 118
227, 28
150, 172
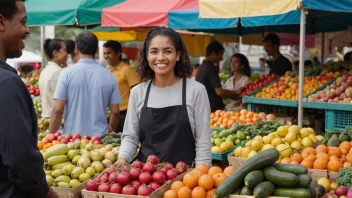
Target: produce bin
70, 192
156, 194
222, 156
235, 161
332, 176
317, 174
338, 120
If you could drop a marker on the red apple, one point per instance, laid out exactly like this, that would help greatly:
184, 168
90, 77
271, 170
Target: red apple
77, 136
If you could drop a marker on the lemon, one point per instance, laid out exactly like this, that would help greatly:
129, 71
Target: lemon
334, 186
282, 131
299, 139
245, 151
290, 137
287, 127
307, 142
271, 135
248, 144
283, 139
256, 145
216, 149
319, 137
237, 151
225, 146
230, 143
258, 137
281, 147
311, 131
294, 128
304, 132
268, 139
296, 145
276, 135
252, 153
314, 139
267, 146
287, 152
325, 183
276, 141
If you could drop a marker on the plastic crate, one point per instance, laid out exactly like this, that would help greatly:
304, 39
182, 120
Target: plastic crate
338, 120
222, 156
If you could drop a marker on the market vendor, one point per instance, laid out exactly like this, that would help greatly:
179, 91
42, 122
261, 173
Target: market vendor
241, 73
279, 64
169, 112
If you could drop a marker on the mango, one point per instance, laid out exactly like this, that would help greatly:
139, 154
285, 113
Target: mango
77, 172
56, 173
67, 170
63, 178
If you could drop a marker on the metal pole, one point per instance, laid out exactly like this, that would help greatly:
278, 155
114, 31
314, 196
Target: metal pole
301, 66
42, 40
322, 48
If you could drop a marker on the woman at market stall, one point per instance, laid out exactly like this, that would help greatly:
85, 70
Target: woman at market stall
169, 112
55, 51
241, 73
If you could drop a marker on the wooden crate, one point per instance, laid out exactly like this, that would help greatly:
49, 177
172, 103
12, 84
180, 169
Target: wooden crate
317, 174
332, 176
70, 192
235, 161
156, 194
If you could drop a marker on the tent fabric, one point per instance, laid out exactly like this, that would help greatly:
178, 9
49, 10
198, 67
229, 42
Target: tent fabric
244, 8
66, 12
328, 5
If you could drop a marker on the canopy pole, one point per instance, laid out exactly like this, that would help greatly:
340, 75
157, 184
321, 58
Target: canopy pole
42, 40
301, 65
322, 48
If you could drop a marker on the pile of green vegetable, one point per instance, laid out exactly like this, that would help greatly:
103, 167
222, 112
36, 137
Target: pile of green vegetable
113, 138
335, 137
344, 177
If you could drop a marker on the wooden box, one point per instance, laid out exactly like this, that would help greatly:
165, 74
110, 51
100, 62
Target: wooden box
70, 192
235, 161
317, 174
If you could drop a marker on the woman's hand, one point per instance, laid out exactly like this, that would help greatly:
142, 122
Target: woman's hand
121, 161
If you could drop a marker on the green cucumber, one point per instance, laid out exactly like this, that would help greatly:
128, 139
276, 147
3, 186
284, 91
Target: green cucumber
263, 189
296, 169
257, 162
280, 179
292, 192
304, 181
246, 191
253, 178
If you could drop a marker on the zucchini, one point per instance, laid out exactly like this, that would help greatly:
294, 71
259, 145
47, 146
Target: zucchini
254, 178
304, 181
263, 189
296, 169
235, 180
280, 179
246, 191
52, 161
316, 190
58, 149
292, 192
237, 191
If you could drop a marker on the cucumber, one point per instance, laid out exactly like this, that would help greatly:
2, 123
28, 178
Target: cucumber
316, 190
254, 178
237, 191
257, 162
296, 169
58, 149
280, 179
304, 181
246, 191
263, 189
292, 192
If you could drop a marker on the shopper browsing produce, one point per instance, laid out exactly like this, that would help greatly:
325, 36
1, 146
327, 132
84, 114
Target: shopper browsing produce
21, 164
169, 112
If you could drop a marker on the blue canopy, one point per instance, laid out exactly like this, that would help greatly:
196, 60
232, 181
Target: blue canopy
329, 5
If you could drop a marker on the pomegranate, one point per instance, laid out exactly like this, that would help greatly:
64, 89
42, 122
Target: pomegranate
135, 172
104, 187
153, 159
169, 165
104, 178
172, 173
137, 164
154, 185
123, 168
123, 178
149, 167
111, 170
181, 166
164, 170
144, 190
113, 177
145, 178
116, 188
92, 185
136, 184
159, 177
129, 190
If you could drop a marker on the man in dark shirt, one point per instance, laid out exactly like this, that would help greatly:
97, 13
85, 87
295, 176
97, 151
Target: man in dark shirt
208, 75
21, 163
279, 64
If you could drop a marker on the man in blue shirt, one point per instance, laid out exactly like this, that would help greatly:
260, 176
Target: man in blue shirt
86, 89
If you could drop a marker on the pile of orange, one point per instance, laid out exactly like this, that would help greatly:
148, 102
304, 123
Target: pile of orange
45, 144
200, 182
323, 157
225, 119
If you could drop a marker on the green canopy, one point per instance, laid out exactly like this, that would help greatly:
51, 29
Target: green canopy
66, 12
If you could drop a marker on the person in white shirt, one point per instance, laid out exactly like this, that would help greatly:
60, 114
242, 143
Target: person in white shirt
241, 73
55, 51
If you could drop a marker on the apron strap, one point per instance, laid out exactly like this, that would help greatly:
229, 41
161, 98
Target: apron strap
184, 92
147, 94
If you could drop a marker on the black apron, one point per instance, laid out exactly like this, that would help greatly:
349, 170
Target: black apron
166, 132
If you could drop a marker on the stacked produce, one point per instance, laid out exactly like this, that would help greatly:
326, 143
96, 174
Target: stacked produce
32, 85
339, 91
43, 125
37, 106
342, 187
334, 138
66, 166
258, 83
112, 138
287, 87
200, 182
138, 179
261, 177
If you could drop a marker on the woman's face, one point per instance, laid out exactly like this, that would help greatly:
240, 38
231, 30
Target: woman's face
61, 55
236, 64
162, 55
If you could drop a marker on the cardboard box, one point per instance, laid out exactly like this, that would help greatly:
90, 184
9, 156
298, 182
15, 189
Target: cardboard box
235, 161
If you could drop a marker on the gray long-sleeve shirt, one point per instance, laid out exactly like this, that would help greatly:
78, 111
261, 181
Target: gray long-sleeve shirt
198, 109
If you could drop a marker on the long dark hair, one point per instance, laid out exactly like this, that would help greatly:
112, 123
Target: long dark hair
245, 68
183, 67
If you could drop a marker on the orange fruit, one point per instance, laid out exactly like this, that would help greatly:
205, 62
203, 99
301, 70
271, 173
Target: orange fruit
203, 168
286, 160
184, 192
219, 178
197, 173
296, 157
323, 156
206, 181
229, 170
349, 157
347, 164
333, 158
320, 164
307, 151
190, 180
199, 192
40, 145
322, 149
307, 163
211, 193
335, 166
345, 145
312, 157
177, 185
335, 151
170, 194
294, 162
214, 169
243, 112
